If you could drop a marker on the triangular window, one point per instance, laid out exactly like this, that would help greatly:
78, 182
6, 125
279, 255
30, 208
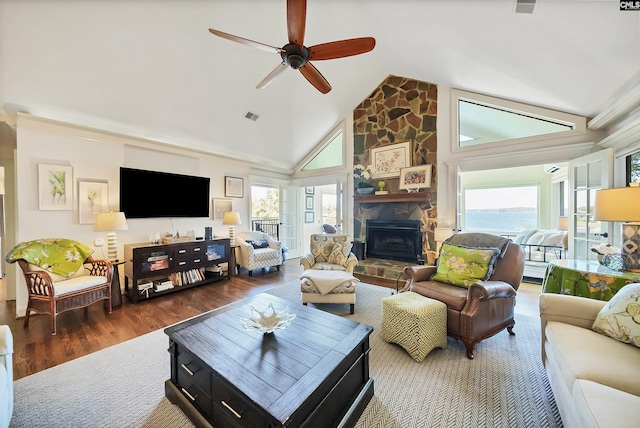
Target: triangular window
328, 154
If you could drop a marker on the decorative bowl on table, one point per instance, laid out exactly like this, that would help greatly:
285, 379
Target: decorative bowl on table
364, 190
267, 321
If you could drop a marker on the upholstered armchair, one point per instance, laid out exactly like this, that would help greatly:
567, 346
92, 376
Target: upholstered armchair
476, 308
61, 275
330, 252
258, 250
6, 376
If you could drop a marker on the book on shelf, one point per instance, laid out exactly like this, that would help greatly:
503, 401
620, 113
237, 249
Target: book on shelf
161, 285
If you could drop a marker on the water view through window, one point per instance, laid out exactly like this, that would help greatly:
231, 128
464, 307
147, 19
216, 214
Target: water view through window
501, 210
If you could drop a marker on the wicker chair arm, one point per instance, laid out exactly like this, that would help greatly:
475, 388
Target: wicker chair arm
99, 267
39, 282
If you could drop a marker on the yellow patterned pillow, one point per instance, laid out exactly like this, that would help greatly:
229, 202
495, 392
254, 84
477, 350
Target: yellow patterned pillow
462, 266
620, 317
337, 256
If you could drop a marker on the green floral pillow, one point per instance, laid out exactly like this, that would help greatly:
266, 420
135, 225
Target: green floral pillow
462, 266
620, 317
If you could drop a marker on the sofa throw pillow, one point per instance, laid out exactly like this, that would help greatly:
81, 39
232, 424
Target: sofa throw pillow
258, 243
620, 317
524, 236
337, 256
462, 266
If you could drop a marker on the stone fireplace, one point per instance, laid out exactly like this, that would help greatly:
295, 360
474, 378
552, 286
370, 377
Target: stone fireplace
399, 240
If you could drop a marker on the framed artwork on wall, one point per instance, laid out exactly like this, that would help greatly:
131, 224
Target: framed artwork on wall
233, 187
387, 161
55, 187
308, 203
93, 198
308, 216
309, 190
221, 206
415, 177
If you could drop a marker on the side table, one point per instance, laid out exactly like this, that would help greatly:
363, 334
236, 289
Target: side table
233, 266
585, 279
116, 291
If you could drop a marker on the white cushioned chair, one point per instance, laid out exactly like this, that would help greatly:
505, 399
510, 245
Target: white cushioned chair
6, 376
330, 252
258, 250
61, 275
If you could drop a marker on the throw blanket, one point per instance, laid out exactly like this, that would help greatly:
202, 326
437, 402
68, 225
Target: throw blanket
327, 280
481, 240
58, 255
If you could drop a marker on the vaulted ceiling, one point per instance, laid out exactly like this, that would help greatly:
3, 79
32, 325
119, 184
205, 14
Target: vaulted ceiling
151, 69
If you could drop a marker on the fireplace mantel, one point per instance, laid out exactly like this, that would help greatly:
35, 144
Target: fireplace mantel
395, 197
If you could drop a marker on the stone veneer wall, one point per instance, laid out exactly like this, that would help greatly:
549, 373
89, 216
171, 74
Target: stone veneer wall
399, 110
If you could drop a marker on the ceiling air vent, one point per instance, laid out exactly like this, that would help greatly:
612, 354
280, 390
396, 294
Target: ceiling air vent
251, 116
525, 6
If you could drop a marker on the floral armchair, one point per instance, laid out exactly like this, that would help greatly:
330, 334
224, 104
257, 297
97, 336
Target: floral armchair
330, 252
61, 275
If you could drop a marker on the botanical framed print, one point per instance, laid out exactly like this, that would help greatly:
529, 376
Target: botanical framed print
387, 161
221, 206
93, 198
233, 187
308, 216
309, 190
308, 203
415, 177
55, 187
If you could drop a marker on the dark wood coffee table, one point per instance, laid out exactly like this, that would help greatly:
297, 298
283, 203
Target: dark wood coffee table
315, 373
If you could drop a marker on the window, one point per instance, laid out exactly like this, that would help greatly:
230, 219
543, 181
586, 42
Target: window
329, 154
479, 120
633, 168
502, 210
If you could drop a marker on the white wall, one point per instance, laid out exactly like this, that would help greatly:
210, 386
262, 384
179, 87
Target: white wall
98, 155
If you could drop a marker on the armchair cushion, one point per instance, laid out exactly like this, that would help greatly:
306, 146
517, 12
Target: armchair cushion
258, 243
620, 317
337, 256
463, 266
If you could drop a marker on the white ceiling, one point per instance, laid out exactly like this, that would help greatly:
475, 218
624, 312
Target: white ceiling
150, 68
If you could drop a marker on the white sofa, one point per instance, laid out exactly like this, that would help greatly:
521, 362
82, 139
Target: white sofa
595, 379
540, 247
6, 376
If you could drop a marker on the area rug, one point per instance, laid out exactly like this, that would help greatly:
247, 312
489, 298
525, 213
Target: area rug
123, 386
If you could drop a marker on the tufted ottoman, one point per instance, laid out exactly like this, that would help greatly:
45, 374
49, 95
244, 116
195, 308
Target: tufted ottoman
328, 286
415, 322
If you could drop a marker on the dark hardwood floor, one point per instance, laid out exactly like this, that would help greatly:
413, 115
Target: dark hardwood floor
84, 331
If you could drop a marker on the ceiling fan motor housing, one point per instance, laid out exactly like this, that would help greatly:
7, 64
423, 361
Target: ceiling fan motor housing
295, 56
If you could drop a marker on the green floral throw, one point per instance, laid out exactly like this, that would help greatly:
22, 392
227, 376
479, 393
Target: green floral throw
58, 255
462, 266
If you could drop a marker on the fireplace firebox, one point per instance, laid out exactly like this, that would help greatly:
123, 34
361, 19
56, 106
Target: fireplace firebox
399, 240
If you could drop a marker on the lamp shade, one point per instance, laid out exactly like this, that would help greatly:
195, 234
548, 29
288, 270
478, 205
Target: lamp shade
620, 204
563, 223
231, 218
106, 222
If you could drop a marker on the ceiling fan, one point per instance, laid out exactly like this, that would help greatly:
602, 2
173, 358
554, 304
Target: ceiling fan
297, 56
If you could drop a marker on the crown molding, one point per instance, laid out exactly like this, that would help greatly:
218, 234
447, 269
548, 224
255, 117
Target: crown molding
37, 123
616, 111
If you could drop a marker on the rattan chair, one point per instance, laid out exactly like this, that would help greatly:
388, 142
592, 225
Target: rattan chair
49, 293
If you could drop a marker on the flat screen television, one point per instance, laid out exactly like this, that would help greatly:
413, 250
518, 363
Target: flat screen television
149, 194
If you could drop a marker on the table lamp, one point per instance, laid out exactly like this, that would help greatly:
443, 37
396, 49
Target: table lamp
563, 224
231, 218
110, 222
622, 205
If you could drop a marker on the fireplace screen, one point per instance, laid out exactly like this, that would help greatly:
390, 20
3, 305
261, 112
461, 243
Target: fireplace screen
399, 240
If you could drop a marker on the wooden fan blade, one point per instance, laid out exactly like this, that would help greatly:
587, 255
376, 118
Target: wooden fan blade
244, 41
272, 76
341, 48
296, 20
315, 78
